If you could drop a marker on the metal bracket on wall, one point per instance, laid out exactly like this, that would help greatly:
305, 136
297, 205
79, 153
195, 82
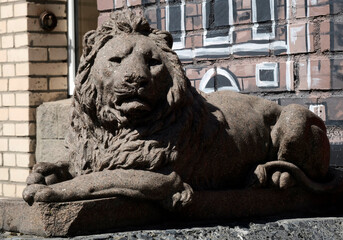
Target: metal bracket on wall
47, 21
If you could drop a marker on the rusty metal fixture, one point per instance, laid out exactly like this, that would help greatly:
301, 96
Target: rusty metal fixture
47, 21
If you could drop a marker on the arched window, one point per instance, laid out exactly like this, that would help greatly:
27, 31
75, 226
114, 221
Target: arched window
218, 79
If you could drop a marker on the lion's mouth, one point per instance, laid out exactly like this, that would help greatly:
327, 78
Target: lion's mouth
130, 104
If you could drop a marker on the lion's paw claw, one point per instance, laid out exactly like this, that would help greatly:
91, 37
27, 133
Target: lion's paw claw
184, 197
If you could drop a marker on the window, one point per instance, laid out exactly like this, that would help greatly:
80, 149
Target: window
263, 15
218, 79
217, 15
82, 17
267, 75
319, 110
175, 22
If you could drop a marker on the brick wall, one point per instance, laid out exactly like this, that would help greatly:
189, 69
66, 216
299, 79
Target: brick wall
33, 70
289, 51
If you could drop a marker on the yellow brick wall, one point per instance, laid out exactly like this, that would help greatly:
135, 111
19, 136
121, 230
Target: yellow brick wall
33, 70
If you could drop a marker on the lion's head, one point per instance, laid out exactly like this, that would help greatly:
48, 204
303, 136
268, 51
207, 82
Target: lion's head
130, 87
128, 73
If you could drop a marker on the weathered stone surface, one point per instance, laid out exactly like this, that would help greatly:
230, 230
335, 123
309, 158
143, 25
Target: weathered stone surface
293, 229
105, 215
52, 127
72, 218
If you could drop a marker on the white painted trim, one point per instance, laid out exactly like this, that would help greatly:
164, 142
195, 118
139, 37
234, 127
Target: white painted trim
288, 38
309, 80
210, 41
204, 80
287, 5
267, 66
185, 53
289, 78
71, 47
272, 12
244, 48
224, 73
198, 52
319, 110
179, 44
217, 71
263, 36
308, 45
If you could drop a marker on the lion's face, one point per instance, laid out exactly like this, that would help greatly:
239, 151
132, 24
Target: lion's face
130, 77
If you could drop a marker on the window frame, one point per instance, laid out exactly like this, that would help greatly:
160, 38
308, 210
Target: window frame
214, 72
263, 36
267, 66
177, 44
210, 41
71, 46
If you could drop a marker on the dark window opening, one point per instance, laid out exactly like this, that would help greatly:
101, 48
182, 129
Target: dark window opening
175, 18
217, 13
86, 19
210, 83
222, 82
265, 29
263, 13
266, 75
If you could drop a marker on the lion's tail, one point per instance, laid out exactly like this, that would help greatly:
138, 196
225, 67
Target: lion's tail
334, 184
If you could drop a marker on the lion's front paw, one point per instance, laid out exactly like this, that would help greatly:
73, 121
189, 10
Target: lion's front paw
30, 191
39, 193
49, 173
181, 199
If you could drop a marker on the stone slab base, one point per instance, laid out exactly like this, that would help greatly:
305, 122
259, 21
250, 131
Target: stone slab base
111, 214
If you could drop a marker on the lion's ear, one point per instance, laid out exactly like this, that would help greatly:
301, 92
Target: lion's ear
165, 36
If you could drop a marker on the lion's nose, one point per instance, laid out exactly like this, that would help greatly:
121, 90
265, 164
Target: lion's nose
135, 81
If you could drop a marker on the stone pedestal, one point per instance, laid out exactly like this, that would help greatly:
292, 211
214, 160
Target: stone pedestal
112, 214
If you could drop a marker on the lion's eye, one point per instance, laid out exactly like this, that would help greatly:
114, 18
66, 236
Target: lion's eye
115, 59
154, 62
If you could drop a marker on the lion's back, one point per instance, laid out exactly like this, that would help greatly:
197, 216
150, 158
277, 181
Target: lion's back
247, 136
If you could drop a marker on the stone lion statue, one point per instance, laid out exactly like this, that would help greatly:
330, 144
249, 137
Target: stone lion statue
138, 129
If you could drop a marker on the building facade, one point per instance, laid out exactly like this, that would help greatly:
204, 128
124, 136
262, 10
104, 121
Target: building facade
289, 51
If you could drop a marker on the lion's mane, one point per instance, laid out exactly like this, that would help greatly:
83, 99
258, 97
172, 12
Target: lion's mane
96, 145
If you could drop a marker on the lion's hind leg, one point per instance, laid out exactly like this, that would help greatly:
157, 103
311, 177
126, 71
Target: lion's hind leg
299, 137
301, 148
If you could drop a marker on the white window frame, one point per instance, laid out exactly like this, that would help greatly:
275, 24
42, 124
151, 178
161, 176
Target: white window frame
267, 66
263, 36
71, 47
210, 41
178, 44
204, 80
217, 71
319, 110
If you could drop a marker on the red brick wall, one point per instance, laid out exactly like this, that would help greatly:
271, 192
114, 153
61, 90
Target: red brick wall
289, 51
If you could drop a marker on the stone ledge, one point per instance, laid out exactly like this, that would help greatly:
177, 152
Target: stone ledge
106, 215
296, 228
